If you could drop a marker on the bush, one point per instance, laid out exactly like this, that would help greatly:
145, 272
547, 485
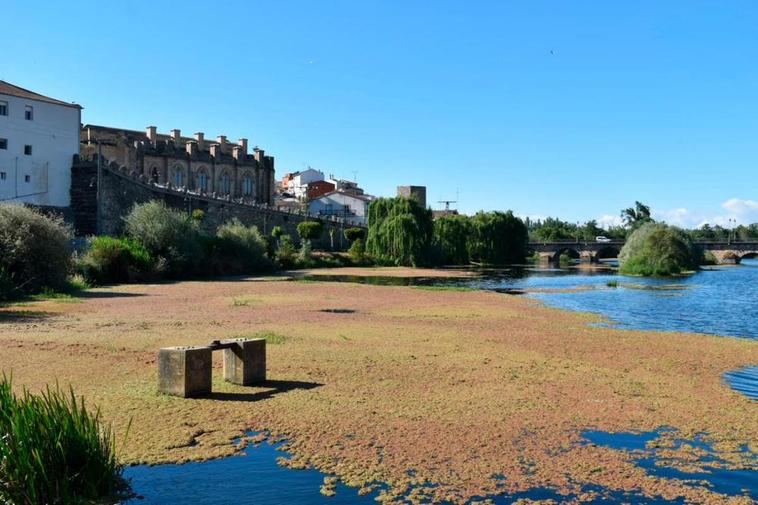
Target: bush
357, 251
277, 232
111, 260
656, 249
355, 233
166, 233
285, 252
236, 250
35, 251
451, 239
53, 450
310, 230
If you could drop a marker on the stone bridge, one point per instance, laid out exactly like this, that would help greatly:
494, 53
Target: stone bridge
732, 251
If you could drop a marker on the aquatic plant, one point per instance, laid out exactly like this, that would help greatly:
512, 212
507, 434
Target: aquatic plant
54, 450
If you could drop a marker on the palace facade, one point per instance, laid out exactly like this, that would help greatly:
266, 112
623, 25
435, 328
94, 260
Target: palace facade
217, 168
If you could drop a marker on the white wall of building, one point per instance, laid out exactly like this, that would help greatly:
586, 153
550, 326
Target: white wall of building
44, 177
340, 204
298, 185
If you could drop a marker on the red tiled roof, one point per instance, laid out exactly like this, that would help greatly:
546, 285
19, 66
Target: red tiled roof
7, 88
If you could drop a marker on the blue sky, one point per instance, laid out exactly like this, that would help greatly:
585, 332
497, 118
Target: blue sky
571, 109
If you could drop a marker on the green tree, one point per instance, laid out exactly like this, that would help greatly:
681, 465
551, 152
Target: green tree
399, 232
451, 236
497, 238
310, 230
657, 249
636, 216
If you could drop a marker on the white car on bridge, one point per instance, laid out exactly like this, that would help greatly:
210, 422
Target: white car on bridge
601, 238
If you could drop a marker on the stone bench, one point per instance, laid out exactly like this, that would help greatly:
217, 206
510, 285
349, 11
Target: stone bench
186, 371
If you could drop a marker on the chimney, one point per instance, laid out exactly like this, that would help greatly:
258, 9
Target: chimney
258, 154
221, 140
152, 134
176, 134
191, 147
215, 150
238, 153
243, 144
200, 138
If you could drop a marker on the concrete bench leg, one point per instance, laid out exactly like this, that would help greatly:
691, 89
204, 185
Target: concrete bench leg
185, 371
245, 362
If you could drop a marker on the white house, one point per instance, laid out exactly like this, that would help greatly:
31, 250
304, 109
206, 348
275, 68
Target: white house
39, 137
298, 182
344, 205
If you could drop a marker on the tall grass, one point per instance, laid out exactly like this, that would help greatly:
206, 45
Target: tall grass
53, 450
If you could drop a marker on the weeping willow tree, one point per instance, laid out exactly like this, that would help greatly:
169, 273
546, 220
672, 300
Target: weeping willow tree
497, 238
399, 231
450, 241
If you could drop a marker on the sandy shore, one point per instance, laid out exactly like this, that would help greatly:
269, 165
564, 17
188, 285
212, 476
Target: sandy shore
458, 387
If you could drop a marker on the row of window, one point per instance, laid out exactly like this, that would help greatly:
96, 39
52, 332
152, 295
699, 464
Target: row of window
202, 179
4, 177
28, 110
27, 147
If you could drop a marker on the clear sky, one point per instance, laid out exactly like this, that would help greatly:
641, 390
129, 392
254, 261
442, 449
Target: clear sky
561, 108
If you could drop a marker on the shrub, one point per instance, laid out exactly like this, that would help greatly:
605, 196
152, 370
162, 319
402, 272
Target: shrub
310, 230
656, 249
277, 232
709, 258
111, 260
198, 215
355, 233
166, 233
357, 251
285, 252
54, 450
236, 249
35, 251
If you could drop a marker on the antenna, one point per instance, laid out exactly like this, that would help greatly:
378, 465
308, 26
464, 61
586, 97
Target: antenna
355, 176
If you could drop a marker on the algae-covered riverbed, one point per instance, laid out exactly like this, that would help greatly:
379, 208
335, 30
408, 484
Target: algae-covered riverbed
446, 394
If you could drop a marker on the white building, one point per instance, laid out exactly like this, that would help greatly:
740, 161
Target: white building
298, 182
345, 186
39, 137
351, 207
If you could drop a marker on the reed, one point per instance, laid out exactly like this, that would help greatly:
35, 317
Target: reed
54, 450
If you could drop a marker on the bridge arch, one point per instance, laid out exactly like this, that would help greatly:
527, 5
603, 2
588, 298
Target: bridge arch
747, 256
606, 252
570, 251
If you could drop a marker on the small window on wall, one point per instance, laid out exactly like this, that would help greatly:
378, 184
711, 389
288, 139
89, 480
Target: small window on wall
29, 113
28, 150
226, 184
247, 185
3, 143
27, 178
3, 108
3, 176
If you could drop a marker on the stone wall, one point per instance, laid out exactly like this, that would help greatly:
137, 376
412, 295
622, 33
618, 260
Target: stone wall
119, 192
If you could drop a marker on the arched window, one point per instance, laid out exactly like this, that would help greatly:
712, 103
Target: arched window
202, 180
178, 176
154, 175
247, 185
226, 183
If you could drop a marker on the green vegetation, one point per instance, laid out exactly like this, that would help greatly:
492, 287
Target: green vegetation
236, 249
400, 231
355, 233
451, 239
656, 249
310, 230
171, 236
553, 229
497, 238
35, 252
53, 450
111, 260
286, 252
270, 336
636, 216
